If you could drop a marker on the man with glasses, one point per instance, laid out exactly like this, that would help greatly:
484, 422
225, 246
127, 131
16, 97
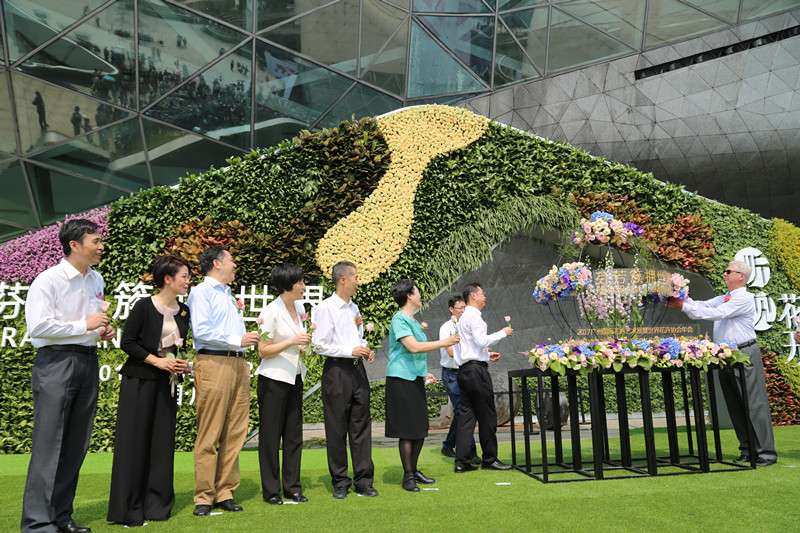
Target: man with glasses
733, 314
456, 305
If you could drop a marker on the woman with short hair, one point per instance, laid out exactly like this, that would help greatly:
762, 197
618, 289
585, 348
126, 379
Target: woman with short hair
406, 373
280, 386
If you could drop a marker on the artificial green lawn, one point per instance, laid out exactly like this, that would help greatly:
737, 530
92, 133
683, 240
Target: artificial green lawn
765, 499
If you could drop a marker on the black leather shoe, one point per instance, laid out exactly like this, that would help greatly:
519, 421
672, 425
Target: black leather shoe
228, 505
765, 462
340, 493
72, 527
460, 469
299, 498
367, 491
742, 459
409, 483
202, 510
448, 452
419, 477
475, 460
495, 465
275, 500
137, 523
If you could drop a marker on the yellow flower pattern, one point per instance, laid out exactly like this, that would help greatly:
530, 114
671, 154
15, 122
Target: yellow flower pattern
374, 235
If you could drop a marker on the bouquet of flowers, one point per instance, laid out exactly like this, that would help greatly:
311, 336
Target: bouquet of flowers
563, 281
586, 356
310, 348
602, 228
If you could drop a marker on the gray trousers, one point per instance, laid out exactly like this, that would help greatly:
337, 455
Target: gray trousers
65, 386
759, 405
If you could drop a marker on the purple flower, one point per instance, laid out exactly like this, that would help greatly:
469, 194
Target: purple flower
635, 229
25, 257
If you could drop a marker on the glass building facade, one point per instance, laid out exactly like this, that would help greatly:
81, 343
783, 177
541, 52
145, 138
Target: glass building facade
102, 98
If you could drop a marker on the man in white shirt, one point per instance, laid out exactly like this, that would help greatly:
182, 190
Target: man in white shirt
221, 381
450, 374
732, 314
345, 387
65, 321
477, 393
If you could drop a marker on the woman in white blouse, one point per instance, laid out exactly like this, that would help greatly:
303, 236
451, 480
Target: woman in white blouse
280, 386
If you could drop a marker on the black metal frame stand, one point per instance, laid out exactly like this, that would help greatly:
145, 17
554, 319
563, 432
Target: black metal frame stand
697, 459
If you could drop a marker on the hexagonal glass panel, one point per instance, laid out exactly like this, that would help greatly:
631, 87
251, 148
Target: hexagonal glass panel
624, 19
215, 102
359, 102
328, 35
175, 51
669, 21
58, 194
295, 92
15, 204
112, 155
574, 43
175, 153
238, 13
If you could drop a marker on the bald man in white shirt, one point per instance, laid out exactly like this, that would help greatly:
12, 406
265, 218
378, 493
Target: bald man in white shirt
732, 314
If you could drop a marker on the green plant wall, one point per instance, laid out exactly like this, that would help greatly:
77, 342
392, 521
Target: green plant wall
468, 200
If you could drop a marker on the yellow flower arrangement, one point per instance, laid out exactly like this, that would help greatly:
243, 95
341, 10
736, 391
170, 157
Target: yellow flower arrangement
374, 235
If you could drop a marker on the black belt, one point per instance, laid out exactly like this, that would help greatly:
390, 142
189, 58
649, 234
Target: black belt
344, 360
748, 343
89, 350
224, 353
475, 362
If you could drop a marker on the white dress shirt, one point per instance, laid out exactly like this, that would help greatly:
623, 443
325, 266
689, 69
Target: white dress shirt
474, 345
217, 323
59, 301
733, 320
337, 332
285, 365
447, 329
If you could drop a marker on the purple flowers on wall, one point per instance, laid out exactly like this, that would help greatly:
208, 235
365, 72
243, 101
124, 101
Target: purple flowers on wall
23, 258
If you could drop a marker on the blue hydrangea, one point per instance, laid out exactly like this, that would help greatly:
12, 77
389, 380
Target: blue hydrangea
601, 215
583, 350
670, 347
550, 348
641, 344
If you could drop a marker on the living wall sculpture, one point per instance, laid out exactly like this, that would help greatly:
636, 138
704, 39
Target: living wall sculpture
423, 193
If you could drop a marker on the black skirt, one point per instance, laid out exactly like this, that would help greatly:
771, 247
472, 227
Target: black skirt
406, 409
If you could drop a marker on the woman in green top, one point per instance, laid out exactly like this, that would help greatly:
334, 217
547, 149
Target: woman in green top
406, 373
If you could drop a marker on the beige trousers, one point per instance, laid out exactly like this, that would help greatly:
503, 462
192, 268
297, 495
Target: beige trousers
222, 399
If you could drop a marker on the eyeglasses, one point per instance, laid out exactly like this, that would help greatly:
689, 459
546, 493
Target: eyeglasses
729, 271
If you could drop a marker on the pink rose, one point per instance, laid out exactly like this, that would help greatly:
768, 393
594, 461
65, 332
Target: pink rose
304, 317
104, 305
359, 321
179, 343
240, 304
259, 320
424, 325
313, 326
507, 318
370, 326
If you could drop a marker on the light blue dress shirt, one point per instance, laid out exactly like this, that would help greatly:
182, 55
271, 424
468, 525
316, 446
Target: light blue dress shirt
217, 323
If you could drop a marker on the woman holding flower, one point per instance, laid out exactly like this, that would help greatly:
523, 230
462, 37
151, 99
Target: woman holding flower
280, 386
141, 475
406, 373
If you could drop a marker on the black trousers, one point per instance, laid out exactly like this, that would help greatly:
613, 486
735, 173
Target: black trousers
345, 402
280, 413
65, 386
477, 405
144, 451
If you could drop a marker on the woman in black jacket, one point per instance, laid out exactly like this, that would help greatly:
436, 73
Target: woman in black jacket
141, 476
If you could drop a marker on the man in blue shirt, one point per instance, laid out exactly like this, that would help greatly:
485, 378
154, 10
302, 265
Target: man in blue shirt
221, 381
